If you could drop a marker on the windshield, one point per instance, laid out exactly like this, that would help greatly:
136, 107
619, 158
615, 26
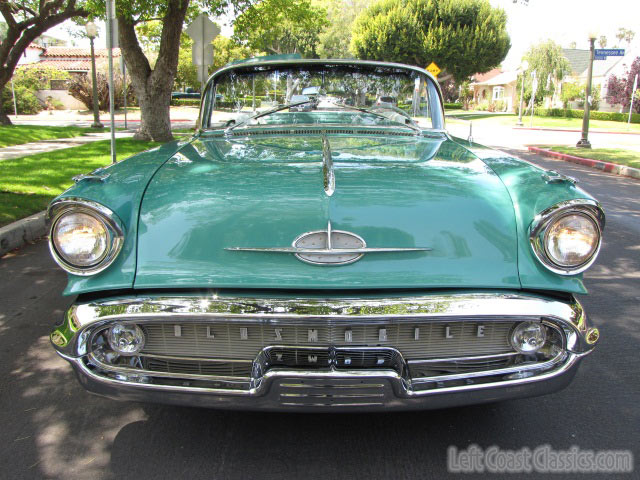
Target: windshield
345, 94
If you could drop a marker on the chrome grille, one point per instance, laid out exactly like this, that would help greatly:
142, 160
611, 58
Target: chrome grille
332, 394
243, 341
195, 367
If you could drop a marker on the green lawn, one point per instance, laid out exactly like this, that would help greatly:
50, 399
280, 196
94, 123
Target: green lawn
19, 134
612, 155
27, 184
501, 119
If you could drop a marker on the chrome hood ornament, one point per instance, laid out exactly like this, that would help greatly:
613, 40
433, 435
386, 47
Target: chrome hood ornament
328, 247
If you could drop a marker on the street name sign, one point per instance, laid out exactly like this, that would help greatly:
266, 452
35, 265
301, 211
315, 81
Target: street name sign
609, 52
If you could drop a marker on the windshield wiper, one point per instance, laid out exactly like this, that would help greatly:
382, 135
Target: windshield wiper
282, 106
413, 126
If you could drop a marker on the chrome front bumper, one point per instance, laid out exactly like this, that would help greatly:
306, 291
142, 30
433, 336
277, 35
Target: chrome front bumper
336, 387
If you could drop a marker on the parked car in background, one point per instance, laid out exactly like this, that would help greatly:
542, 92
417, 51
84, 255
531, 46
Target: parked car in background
345, 258
386, 102
188, 93
306, 103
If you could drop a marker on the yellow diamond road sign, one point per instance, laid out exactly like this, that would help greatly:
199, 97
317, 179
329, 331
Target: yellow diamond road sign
433, 69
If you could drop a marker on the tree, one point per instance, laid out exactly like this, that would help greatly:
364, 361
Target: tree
152, 83
335, 39
462, 36
550, 65
226, 50
619, 88
602, 41
281, 26
26, 20
626, 35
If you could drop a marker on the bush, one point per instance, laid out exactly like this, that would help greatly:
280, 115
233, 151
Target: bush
483, 106
26, 101
593, 114
185, 102
450, 106
80, 88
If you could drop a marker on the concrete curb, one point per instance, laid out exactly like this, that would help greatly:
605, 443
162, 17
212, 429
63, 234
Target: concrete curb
24, 231
575, 130
604, 166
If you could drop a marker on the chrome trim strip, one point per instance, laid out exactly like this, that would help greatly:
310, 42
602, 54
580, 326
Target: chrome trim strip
498, 371
275, 375
326, 251
542, 221
463, 359
327, 170
154, 373
104, 214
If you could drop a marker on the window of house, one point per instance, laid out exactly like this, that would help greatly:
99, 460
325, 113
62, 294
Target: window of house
498, 93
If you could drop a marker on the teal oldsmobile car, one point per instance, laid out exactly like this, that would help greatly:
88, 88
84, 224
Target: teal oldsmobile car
350, 257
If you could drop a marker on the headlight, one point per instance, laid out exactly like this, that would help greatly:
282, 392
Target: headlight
80, 239
566, 237
572, 240
85, 236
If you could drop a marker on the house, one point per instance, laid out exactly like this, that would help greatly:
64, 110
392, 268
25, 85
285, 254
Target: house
495, 86
74, 60
603, 69
31, 55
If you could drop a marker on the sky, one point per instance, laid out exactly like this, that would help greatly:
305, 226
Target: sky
529, 22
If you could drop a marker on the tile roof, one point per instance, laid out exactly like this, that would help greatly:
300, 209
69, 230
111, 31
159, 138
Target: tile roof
76, 52
73, 65
502, 79
483, 77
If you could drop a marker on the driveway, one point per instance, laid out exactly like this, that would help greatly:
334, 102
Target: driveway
51, 428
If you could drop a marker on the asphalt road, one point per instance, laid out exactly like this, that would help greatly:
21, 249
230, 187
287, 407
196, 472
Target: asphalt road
50, 428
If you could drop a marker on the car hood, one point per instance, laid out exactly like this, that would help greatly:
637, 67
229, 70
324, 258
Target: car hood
219, 193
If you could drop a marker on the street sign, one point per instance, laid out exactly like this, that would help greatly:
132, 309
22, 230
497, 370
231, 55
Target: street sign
202, 31
599, 57
609, 52
202, 53
433, 69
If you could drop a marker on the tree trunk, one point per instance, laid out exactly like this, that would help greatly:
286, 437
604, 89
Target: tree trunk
155, 123
153, 87
4, 118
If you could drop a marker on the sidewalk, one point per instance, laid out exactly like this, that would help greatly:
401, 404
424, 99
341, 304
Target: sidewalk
32, 148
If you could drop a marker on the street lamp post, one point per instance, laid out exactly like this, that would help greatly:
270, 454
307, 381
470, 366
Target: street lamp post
584, 141
523, 69
92, 32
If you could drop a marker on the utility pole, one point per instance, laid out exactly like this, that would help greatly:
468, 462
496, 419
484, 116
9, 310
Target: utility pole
584, 141
111, 15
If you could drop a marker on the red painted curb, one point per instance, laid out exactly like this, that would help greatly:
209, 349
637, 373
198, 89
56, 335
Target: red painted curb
575, 131
589, 162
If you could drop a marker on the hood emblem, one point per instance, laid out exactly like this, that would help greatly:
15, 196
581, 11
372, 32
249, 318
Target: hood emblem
328, 247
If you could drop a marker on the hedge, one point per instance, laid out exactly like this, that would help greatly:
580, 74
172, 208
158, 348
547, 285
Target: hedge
593, 114
185, 102
452, 105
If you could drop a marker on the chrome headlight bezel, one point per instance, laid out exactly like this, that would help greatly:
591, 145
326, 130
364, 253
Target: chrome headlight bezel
544, 220
110, 221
